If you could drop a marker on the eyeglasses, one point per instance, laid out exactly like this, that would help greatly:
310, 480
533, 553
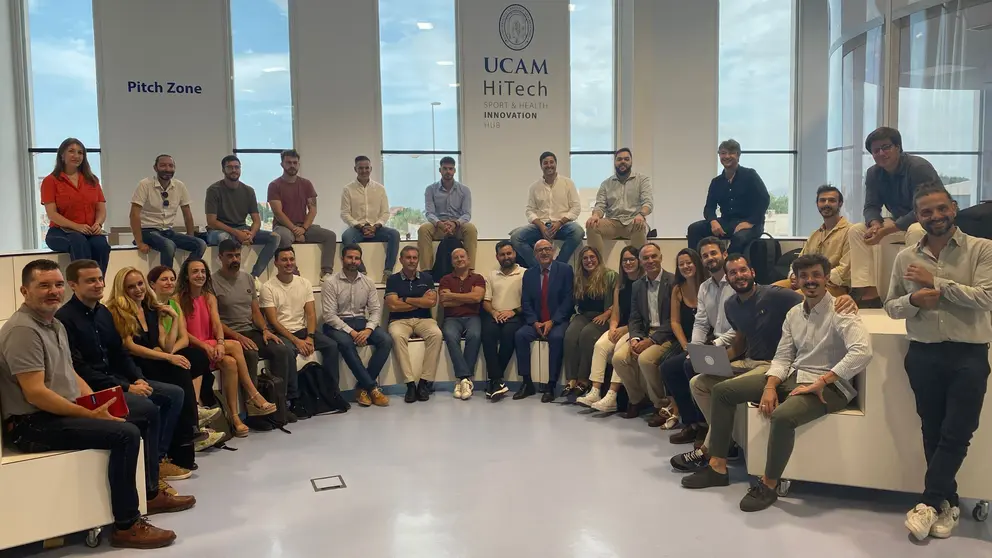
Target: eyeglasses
887, 147
544, 249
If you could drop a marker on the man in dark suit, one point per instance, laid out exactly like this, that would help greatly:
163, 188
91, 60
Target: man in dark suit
547, 306
651, 336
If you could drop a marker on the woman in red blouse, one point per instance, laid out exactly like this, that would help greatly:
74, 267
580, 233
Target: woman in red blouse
75, 206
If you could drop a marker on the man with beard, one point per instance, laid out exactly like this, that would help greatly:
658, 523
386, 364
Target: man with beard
623, 202
293, 200
153, 214
502, 303
742, 198
229, 202
448, 208
890, 182
830, 241
812, 373
553, 205
942, 287
365, 208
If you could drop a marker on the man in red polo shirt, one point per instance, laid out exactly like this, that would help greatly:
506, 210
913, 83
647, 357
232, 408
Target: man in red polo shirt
461, 293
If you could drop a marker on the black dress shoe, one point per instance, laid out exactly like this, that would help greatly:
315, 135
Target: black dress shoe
424, 390
526, 390
300, 410
411, 393
758, 497
290, 417
705, 478
687, 435
549, 394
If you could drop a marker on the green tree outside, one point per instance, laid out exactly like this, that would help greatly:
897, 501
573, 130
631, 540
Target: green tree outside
405, 217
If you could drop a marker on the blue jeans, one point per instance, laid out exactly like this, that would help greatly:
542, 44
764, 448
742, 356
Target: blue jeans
385, 234
80, 246
380, 341
169, 400
269, 239
524, 239
676, 371
453, 328
165, 243
556, 344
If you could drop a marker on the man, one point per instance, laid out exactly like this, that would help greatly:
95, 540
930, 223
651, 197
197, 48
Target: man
830, 241
890, 182
229, 203
410, 295
38, 390
153, 214
365, 209
351, 311
552, 207
448, 211
242, 320
623, 202
942, 287
742, 198
293, 200
100, 359
287, 303
818, 356
651, 337
547, 304
461, 291
502, 304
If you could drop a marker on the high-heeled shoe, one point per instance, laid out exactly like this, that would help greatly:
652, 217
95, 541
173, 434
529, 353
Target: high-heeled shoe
257, 406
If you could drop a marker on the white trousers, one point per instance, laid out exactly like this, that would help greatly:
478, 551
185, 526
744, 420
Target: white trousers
602, 353
866, 261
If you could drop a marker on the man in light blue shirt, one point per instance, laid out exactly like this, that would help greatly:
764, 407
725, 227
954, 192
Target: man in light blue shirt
448, 208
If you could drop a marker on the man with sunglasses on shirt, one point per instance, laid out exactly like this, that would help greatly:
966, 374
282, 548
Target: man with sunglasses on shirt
890, 182
153, 214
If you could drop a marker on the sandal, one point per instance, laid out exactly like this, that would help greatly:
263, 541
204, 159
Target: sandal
240, 430
671, 419
257, 406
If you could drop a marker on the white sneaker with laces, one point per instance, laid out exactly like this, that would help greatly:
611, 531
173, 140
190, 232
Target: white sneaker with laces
458, 390
467, 388
608, 404
920, 520
205, 414
588, 399
325, 276
947, 520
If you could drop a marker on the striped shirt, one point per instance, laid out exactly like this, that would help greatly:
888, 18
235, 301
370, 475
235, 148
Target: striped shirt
343, 298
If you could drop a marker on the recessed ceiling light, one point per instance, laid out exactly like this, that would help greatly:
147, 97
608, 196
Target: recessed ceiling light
445, 63
425, 25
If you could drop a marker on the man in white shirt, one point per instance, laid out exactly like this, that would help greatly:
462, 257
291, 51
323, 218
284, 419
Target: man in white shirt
153, 214
502, 303
365, 209
287, 302
811, 375
552, 207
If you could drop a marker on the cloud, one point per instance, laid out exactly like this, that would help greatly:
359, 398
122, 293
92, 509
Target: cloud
69, 59
282, 6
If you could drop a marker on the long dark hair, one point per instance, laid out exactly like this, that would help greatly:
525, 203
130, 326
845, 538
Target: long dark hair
84, 167
626, 282
701, 274
183, 286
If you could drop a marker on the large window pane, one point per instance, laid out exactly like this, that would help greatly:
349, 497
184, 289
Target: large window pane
263, 100
413, 174
588, 172
592, 75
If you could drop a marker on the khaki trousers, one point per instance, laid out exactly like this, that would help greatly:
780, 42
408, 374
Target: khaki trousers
866, 261
641, 374
702, 385
426, 329
428, 233
611, 229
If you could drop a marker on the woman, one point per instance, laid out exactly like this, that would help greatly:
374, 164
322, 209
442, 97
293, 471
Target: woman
75, 206
687, 281
199, 306
630, 271
593, 294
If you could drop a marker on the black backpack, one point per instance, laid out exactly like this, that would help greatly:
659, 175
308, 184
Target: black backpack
442, 258
318, 394
784, 265
763, 254
976, 220
273, 391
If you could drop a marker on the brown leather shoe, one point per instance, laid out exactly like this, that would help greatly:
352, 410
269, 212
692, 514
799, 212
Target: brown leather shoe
167, 503
657, 419
142, 535
362, 398
379, 399
634, 409
687, 435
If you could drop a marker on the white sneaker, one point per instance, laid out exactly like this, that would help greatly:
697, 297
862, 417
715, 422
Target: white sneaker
947, 520
920, 520
325, 276
206, 414
467, 388
608, 404
458, 390
588, 399
210, 441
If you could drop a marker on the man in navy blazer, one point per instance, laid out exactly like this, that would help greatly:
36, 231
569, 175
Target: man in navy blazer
547, 307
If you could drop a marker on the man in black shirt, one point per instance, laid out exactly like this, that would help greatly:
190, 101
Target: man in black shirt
742, 199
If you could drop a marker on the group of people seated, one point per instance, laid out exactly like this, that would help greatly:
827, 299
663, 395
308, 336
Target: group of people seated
793, 349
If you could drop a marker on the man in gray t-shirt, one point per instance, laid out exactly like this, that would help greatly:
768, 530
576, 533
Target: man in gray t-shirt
228, 204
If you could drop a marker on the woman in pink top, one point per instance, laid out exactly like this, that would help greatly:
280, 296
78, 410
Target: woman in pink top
199, 306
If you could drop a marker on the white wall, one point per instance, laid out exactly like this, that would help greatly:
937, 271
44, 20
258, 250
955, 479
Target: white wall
12, 138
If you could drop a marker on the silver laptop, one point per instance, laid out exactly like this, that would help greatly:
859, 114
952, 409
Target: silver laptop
710, 360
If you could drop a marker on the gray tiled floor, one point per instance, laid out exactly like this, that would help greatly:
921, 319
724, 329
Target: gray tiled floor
470, 479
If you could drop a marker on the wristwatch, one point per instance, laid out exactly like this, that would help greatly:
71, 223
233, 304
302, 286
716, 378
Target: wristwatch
310, 335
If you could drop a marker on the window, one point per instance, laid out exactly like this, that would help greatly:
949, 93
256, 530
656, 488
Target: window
418, 79
62, 81
757, 96
592, 79
263, 98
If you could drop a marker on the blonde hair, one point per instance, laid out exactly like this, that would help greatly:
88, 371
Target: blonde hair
124, 309
590, 284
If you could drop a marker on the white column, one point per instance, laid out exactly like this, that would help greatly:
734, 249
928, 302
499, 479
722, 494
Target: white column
17, 209
811, 131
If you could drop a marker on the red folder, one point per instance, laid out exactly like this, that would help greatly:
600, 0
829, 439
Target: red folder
118, 408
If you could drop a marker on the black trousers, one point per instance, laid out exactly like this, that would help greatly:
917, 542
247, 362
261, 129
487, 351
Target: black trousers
498, 344
181, 448
949, 381
701, 229
282, 360
328, 349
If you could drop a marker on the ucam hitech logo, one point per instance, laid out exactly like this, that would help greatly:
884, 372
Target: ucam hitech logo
516, 27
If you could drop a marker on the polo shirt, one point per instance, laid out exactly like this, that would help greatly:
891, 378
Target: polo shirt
462, 286
760, 318
743, 199
98, 353
420, 285
895, 191
232, 206
504, 291
234, 300
30, 344
152, 198
293, 196
75, 204
448, 205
